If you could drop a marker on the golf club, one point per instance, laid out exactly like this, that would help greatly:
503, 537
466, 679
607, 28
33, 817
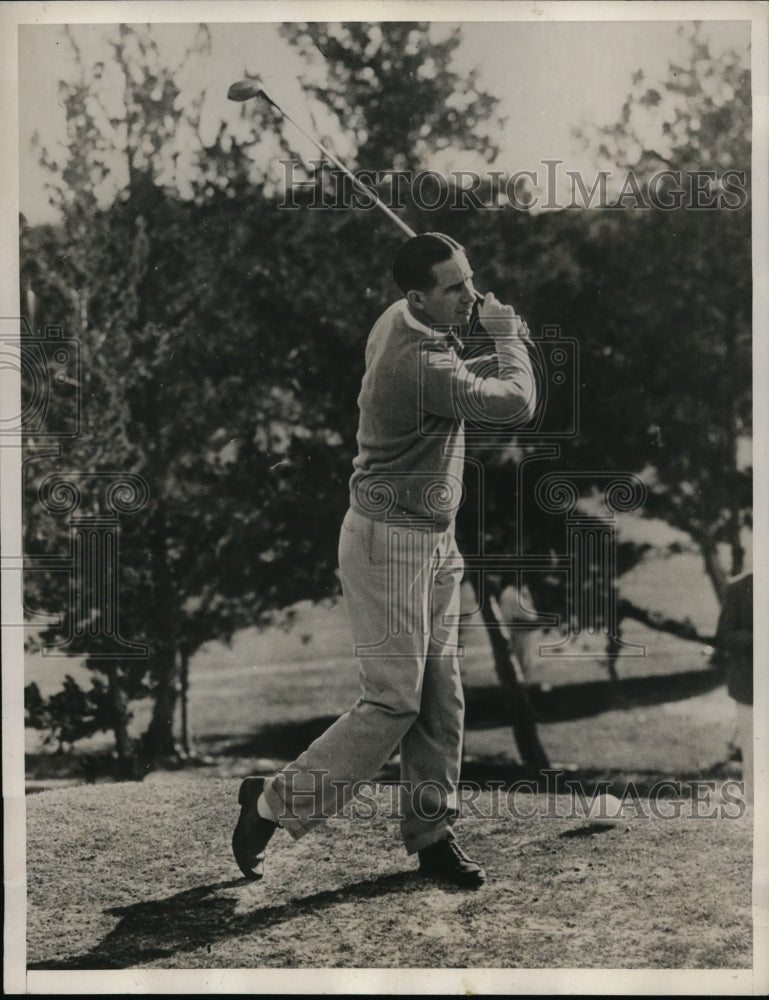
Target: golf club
244, 90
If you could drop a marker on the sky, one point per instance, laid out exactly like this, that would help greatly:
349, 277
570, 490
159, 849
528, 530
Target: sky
550, 78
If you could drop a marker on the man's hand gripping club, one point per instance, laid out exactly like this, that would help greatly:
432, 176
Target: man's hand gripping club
500, 321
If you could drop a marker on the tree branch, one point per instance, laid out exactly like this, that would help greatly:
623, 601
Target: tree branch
658, 622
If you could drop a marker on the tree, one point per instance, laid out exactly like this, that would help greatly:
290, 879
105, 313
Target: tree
391, 88
222, 346
658, 299
658, 296
90, 275
694, 132
222, 388
174, 391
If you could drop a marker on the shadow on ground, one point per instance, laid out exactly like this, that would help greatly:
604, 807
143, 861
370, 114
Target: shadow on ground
487, 707
201, 917
567, 702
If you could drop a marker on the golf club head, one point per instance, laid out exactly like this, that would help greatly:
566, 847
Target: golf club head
244, 90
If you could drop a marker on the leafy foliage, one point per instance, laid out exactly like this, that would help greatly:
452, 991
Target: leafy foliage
392, 88
692, 279
70, 714
221, 358
222, 339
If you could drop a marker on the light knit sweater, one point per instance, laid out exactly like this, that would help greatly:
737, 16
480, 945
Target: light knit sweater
415, 396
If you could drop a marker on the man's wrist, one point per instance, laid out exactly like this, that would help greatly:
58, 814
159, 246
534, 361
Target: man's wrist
508, 333
512, 339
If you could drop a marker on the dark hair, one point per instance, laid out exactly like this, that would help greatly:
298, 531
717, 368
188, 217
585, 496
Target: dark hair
412, 264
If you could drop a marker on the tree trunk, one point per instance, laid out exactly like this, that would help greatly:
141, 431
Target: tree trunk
713, 566
738, 552
158, 740
510, 677
733, 528
184, 687
513, 603
613, 646
128, 763
121, 717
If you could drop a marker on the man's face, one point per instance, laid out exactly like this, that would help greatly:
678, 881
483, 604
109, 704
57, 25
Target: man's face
450, 300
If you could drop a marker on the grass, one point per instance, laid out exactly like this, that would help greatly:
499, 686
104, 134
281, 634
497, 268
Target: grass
139, 876
646, 893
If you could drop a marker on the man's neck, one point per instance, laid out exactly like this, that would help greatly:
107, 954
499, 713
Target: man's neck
423, 318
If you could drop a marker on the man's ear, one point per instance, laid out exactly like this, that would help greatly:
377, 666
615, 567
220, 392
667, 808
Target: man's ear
416, 299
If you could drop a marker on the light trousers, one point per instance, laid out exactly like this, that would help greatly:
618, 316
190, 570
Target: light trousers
401, 591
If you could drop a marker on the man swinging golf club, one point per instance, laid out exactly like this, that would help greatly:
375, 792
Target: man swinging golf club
401, 569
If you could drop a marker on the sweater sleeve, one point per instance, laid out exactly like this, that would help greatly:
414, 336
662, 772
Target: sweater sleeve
451, 389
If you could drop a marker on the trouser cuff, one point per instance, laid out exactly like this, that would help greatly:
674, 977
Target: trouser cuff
425, 838
293, 826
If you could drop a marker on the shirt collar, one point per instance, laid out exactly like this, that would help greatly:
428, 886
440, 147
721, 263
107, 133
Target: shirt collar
415, 324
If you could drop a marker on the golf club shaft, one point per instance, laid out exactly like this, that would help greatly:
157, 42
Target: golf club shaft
338, 163
246, 89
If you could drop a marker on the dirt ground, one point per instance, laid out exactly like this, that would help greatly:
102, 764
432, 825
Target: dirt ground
140, 876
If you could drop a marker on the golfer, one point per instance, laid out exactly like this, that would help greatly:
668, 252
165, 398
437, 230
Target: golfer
401, 570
